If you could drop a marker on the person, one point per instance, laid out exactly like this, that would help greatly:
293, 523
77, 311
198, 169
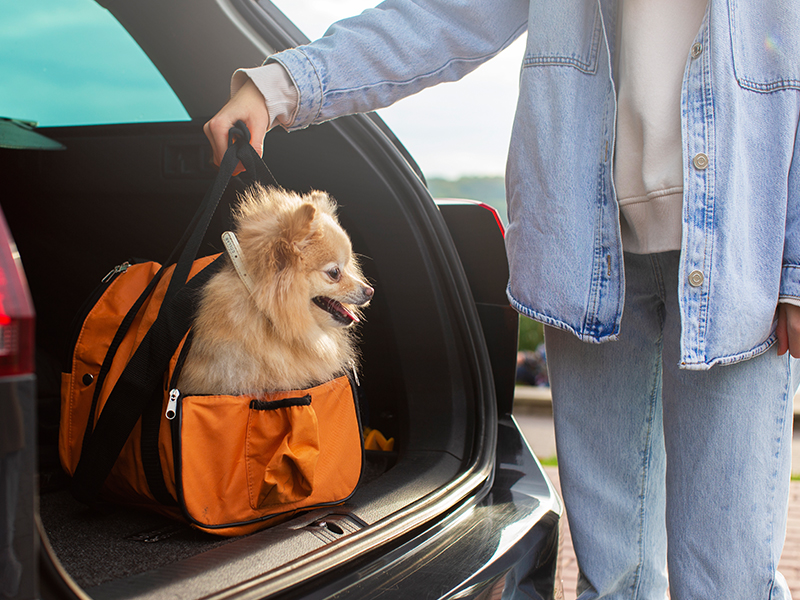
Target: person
653, 191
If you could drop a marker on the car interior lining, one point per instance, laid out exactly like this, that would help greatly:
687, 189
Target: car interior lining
128, 191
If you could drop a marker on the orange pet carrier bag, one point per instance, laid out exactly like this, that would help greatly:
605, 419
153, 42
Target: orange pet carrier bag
228, 465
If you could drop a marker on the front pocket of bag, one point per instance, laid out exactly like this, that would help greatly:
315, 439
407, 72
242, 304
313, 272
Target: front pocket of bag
281, 451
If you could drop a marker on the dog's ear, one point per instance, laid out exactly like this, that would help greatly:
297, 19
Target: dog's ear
322, 200
318, 197
298, 229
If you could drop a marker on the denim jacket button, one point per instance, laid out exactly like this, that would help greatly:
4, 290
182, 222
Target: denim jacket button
696, 278
697, 50
700, 161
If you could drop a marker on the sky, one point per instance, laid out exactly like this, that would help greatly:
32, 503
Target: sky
453, 129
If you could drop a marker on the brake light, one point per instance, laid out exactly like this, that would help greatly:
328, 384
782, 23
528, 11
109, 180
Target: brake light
16, 310
496, 214
440, 202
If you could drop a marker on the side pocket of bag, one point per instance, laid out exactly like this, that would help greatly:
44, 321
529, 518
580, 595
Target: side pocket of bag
93, 330
281, 451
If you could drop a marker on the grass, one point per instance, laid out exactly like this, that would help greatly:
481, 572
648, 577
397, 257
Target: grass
551, 461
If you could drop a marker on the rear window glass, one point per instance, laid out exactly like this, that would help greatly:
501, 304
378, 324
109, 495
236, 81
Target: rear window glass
69, 62
313, 17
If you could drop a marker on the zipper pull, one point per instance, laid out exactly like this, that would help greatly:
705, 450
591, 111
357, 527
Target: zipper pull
172, 404
115, 271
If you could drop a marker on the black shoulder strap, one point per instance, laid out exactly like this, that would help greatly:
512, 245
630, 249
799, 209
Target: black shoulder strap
239, 150
143, 378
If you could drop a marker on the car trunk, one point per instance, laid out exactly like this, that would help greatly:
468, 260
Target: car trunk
123, 191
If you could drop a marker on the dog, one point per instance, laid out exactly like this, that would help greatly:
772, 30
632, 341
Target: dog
280, 313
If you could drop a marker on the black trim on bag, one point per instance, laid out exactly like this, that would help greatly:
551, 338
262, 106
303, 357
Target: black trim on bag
276, 404
149, 450
176, 373
153, 412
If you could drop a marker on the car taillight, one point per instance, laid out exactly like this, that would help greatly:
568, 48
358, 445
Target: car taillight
16, 310
496, 215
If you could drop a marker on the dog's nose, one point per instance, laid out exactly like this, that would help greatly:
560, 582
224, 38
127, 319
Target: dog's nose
368, 292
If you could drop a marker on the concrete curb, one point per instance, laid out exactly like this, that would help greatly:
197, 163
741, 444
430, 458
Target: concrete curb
529, 397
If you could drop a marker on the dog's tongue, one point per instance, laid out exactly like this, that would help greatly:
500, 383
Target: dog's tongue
342, 310
337, 309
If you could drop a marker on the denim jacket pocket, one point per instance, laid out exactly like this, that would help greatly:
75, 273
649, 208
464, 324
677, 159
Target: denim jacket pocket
765, 36
564, 34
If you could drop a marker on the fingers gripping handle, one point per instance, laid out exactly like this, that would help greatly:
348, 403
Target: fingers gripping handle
238, 131
239, 139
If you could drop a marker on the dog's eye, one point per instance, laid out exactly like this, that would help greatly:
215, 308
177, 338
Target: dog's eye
335, 273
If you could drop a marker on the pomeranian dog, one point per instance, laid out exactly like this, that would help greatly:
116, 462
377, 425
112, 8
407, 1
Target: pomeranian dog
279, 315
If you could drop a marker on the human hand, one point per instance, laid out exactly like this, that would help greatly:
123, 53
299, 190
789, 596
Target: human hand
246, 105
788, 329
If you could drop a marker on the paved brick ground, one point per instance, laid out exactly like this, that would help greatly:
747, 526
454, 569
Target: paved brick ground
789, 565
790, 559
567, 570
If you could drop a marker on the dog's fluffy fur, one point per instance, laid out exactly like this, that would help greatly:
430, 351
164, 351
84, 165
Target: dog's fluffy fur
295, 329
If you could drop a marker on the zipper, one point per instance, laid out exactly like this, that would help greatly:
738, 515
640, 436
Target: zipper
174, 392
174, 416
172, 404
88, 305
112, 274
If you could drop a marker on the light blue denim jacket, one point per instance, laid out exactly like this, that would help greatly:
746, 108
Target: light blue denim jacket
739, 111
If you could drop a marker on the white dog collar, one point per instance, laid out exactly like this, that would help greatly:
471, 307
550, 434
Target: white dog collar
234, 251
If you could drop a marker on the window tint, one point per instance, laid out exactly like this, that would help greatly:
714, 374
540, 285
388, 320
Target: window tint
69, 62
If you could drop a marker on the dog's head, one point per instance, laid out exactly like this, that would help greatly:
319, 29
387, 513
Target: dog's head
303, 270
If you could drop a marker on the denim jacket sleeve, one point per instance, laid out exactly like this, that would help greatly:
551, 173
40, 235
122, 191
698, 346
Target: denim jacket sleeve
790, 274
395, 50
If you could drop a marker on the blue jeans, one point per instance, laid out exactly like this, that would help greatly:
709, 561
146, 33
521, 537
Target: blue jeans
671, 478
